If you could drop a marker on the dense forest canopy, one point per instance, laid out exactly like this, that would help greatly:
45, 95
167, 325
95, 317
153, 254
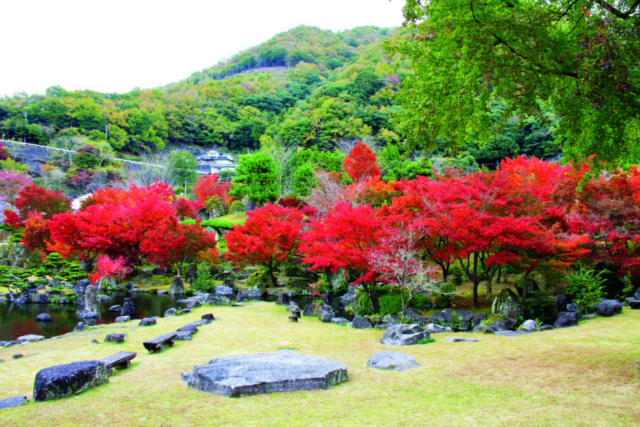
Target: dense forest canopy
579, 58
306, 87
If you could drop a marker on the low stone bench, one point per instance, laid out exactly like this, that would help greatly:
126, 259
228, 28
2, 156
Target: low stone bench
157, 344
121, 360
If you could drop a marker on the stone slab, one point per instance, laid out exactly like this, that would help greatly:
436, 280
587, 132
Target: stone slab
392, 360
265, 373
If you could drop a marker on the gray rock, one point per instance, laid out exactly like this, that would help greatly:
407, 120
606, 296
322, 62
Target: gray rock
170, 312
311, 310
40, 299
546, 327
216, 300
177, 287
512, 334
208, 317
193, 304
163, 292
80, 327
189, 327
327, 317
44, 317
284, 298
115, 308
242, 296
292, 307
392, 360
123, 319
265, 373
384, 326
361, 323
12, 402
573, 308
530, 326
128, 309
339, 321
460, 339
588, 316
432, 328
608, 308
62, 301
183, 335
30, 338
65, 380
185, 311
507, 304
223, 291
18, 356
147, 322
566, 319
390, 318
89, 315
116, 338
403, 335
201, 322
479, 318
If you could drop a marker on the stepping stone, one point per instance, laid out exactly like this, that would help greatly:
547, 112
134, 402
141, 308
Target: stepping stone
116, 338
458, 339
265, 373
12, 402
66, 380
123, 319
339, 321
18, 356
30, 338
188, 328
208, 316
121, 360
512, 334
184, 336
147, 322
170, 312
185, 311
201, 322
392, 360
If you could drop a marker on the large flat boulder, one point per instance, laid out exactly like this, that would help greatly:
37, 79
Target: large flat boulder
65, 380
30, 338
392, 360
265, 373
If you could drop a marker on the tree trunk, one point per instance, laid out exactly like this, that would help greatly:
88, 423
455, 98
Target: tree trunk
489, 287
499, 275
476, 283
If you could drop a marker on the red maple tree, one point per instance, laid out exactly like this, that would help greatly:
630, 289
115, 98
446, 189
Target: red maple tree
360, 164
270, 236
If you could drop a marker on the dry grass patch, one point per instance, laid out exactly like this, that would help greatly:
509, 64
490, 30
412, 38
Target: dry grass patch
577, 376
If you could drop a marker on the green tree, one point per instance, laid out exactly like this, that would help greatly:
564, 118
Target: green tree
580, 56
182, 168
257, 178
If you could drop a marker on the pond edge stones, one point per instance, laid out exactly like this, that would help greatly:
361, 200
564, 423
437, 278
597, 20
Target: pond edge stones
252, 374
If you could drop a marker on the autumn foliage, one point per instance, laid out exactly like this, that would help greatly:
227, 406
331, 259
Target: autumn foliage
270, 236
360, 164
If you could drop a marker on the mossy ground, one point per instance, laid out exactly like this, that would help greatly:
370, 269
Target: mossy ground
586, 375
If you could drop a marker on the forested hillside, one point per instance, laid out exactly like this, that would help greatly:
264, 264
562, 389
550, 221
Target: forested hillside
306, 87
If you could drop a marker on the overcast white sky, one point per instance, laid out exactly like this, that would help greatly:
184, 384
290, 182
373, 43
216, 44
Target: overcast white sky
116, 45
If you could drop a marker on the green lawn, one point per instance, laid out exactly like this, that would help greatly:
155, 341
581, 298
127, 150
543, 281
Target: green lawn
235, 218
586, 375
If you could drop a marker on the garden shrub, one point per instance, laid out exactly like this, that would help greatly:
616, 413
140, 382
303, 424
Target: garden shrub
426, 341
204, 282
390, 304
586, 287
364, 305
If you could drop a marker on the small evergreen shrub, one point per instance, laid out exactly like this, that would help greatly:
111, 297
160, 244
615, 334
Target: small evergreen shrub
426, 341
586, 287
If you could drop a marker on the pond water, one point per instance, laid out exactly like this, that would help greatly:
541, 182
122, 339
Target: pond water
17, 320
